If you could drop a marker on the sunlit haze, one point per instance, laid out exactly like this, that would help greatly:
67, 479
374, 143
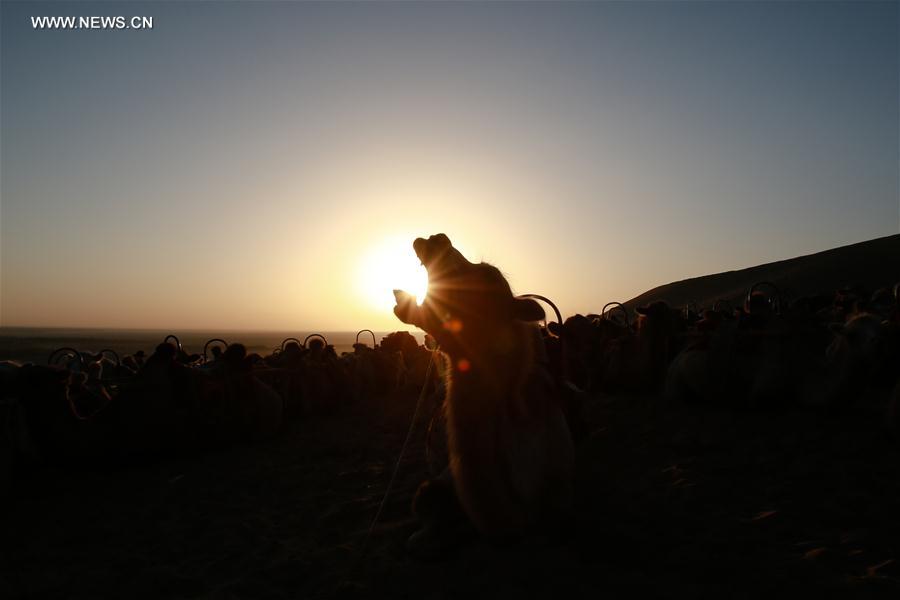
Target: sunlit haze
267, 165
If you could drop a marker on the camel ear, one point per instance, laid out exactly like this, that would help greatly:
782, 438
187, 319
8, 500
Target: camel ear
441, 241
526, 309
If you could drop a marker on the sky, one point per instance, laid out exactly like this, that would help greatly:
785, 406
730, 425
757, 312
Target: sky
266, 165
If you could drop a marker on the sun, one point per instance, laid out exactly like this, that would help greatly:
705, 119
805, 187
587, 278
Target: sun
390, 265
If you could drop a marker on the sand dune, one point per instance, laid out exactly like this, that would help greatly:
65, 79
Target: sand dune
872, 264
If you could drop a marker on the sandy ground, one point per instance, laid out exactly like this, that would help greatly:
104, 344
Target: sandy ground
673, 504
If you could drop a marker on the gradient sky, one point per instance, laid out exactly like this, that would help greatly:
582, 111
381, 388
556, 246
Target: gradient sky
236, 166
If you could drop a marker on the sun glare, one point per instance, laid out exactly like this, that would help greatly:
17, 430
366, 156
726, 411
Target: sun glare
391, 265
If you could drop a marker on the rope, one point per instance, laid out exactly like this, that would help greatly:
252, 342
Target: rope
365, 544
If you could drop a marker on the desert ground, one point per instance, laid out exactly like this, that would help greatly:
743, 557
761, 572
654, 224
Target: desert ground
674, 503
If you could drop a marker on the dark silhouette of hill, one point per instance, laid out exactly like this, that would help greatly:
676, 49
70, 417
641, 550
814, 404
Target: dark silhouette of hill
871, 264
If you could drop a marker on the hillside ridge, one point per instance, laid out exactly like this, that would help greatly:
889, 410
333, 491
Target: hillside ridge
872, 264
